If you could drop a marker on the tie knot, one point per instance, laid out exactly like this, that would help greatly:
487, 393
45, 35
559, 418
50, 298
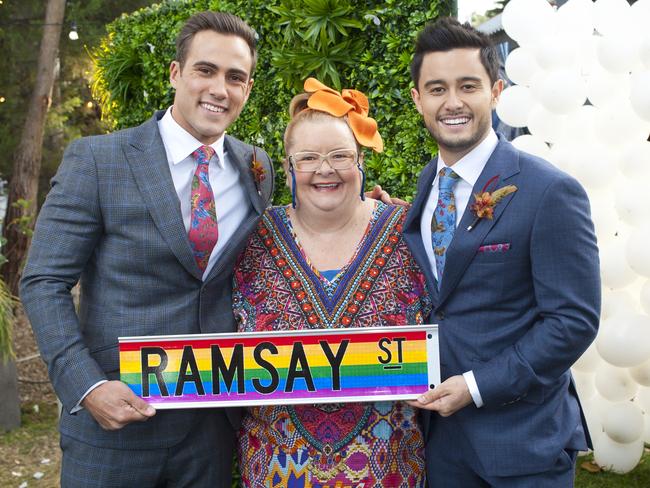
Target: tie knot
447, 179
203, 154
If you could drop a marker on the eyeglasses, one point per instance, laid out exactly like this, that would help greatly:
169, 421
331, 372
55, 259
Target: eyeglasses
309, 162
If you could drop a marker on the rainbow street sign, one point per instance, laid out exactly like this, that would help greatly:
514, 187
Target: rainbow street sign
281, 367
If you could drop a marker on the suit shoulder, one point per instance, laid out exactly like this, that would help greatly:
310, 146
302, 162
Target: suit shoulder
541, 170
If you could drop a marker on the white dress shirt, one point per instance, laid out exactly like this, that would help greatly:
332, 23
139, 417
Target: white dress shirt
230, 198
232, 204
469, 168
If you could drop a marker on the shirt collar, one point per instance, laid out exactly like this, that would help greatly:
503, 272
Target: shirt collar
180, 144
470, 166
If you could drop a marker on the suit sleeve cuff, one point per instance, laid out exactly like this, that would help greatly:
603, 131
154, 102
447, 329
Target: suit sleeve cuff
78, 406
473, 388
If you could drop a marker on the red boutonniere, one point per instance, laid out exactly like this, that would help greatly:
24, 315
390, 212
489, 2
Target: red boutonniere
484, 202
257, 168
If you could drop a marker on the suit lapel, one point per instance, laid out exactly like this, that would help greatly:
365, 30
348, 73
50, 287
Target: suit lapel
241, 156
148, 160
504, 163
412, 233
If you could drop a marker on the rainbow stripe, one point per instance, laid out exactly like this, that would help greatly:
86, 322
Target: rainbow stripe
287, 367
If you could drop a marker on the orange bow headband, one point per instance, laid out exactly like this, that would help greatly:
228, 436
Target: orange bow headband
352, 103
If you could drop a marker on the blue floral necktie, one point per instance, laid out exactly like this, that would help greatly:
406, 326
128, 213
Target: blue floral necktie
443, 223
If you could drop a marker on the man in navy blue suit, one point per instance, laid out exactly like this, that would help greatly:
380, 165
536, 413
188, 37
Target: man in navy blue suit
509, 251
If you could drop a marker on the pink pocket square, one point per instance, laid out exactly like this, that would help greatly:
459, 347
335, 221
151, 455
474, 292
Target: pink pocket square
502, 247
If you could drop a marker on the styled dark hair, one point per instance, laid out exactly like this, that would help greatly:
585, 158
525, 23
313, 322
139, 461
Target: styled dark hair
446, 34
221, 22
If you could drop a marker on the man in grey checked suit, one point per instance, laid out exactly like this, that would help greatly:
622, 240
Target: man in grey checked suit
117, 220
516, 293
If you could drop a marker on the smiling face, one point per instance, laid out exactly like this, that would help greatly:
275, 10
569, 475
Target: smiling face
213, 84
456, 99
325, 189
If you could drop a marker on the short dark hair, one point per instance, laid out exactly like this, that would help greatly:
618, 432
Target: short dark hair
221, 22
446, 34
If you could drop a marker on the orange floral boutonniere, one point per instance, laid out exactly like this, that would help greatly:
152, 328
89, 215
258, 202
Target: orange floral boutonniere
484, 202
257, 168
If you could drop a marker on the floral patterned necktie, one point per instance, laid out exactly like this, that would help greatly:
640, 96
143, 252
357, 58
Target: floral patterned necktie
443, 223
203, 233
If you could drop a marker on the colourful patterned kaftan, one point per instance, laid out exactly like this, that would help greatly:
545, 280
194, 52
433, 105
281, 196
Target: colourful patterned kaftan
330, 445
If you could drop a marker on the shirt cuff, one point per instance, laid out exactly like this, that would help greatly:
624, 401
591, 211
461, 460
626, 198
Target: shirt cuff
473, 388
78, 406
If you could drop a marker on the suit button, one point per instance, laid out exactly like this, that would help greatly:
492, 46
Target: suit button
440, 315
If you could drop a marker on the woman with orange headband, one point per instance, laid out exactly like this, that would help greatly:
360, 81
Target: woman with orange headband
331, 259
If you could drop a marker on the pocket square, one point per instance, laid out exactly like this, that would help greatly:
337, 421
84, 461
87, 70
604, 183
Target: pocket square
501, 247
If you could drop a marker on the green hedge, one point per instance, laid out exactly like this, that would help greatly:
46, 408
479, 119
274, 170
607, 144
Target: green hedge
365, 45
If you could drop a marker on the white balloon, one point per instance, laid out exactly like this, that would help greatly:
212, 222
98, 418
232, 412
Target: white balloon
532, 145
623, 422
546, 125
579, 124
576, 18
634, 160
606, 220
587, 61
584, 384
587, 363
618, 124
614, 456
616, 302
521, 66
514, 106
618, 52
624, 340
640, 16
640, 94
593, 165
562, 155
646, 430
638, 251
555, 51
641, 373
644, 50
645, 297
615, 272
604, 88
610, 16
563, 91
614, 384
642, 399
630, 202
527, 20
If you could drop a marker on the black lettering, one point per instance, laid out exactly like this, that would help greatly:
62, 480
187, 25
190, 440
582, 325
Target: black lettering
335, 361
194, 376
275, 378
219, 369
389, 356
298, 356
145, 352
399, 341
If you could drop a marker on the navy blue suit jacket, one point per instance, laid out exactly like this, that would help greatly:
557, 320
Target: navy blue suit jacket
520, 317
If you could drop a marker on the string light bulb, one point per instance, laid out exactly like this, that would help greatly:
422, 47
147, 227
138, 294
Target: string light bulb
73, 35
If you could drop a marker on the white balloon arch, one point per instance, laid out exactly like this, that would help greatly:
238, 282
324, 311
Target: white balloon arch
597, 52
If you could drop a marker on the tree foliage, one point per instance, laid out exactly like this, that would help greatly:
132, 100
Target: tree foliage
365, 45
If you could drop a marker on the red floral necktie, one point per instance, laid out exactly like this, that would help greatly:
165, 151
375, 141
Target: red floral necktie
203, 233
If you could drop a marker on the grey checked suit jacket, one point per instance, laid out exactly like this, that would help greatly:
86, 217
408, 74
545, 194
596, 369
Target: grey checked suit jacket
112, 220
520, 316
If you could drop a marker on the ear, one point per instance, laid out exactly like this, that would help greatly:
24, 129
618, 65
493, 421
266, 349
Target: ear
249, 87
497, 88
174, 72
287, 175
415, 95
